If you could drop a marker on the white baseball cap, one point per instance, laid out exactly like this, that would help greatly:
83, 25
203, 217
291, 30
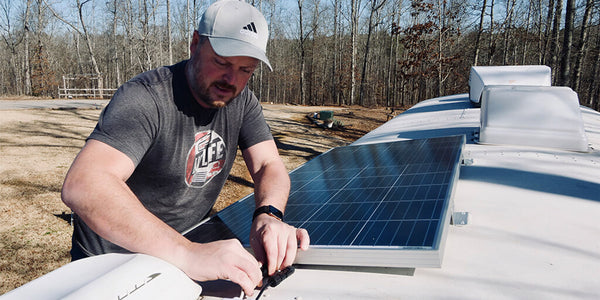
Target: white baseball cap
236, 28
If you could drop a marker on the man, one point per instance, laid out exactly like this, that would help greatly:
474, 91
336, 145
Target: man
163, 147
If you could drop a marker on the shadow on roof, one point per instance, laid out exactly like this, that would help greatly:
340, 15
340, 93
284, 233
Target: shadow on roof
548, 183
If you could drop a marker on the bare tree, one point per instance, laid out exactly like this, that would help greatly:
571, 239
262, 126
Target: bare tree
375, 7
314, 83
541, 43
593, 90
114, 48
148, 10
581, 46
12, 39
42, 75
302, 40
479, 32
26, 59
83, 31
169, 36
390, 86
565, 62
492, 44
525, 43
546, 52
354, 14
554, 44
508, 22
335, 91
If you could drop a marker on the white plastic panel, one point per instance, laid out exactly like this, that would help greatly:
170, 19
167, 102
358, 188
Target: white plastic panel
111, 276
482, 76
532, 116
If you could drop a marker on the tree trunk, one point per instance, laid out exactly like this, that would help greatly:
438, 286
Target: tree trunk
479, 33
565, 62
594, 88
548, 34
539, 35
441, 8
391, 79
336, 54
491, 45
524, 57
581, 46
302, 56
353, 34
169, 37
26, 54
115, 58
88, 42
554, 44
375, 7
187, 27
510, 7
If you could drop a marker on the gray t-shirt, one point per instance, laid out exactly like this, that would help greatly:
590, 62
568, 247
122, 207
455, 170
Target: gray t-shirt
182, 152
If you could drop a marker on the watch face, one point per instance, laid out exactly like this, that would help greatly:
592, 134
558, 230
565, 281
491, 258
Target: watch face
275, 212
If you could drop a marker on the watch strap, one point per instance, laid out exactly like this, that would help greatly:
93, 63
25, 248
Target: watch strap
270, 210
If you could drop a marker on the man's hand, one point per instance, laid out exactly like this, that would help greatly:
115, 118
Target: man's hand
275, 243
226, 259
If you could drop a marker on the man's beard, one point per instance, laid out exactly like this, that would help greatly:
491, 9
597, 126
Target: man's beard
215, 101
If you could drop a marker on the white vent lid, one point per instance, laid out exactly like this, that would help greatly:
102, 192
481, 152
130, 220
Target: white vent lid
482, 76
532, 116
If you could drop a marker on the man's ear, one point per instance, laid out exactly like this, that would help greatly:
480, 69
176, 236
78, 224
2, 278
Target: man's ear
195, 42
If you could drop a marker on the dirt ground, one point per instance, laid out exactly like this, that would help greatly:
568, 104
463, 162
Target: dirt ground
38, 146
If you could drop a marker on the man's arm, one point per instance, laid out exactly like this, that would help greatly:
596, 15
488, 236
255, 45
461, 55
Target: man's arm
273, 241
95, 189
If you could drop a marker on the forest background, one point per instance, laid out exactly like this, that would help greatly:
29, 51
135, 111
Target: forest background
391, 53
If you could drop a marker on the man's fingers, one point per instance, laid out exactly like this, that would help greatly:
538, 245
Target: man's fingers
303, 238
225, 259
259, 250
271, 247
290, 249
245, 271
242, 278
251, 267
282, 250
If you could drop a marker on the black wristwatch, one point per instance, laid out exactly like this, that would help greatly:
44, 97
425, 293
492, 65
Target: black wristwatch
270, 210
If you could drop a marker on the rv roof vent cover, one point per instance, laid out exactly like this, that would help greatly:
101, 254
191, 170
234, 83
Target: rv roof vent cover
532, 116
482, 76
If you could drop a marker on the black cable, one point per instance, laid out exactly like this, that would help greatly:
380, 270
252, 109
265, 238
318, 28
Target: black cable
264, 287
274, 280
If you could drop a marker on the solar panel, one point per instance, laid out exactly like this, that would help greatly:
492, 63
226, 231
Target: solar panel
377, 205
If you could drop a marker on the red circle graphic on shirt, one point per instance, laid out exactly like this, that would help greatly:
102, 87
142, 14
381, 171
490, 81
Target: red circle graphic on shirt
205, 159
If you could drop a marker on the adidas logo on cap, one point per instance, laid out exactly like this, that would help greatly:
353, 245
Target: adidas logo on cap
250, 27
249, 30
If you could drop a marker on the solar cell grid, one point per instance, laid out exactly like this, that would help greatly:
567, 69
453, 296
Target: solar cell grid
390, 195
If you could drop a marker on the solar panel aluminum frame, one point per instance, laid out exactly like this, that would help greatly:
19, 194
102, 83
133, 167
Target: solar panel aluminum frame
391, 256
224, 225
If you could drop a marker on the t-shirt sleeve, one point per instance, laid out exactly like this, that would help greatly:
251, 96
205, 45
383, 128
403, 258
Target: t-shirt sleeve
129, 122
254, 127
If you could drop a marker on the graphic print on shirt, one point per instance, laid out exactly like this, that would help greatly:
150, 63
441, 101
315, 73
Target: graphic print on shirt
205, 159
